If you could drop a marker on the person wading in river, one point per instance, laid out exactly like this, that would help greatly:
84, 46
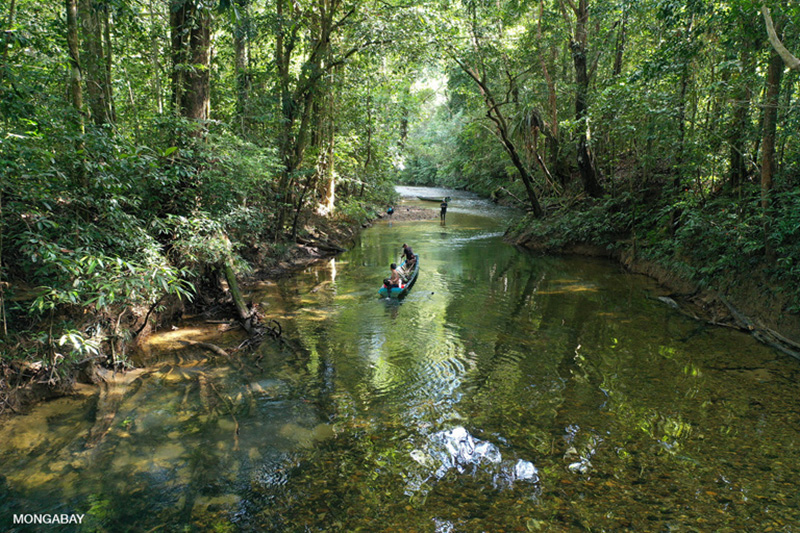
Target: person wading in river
443, 212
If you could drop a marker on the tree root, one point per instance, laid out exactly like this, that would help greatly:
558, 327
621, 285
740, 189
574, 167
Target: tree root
740, 322
763, 334
320, 244
207, 345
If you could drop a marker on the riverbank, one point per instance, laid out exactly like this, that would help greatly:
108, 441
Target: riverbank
27, 380
738, 290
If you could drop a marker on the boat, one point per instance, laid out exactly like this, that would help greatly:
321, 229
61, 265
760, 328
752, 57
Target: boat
433, 198
402, 290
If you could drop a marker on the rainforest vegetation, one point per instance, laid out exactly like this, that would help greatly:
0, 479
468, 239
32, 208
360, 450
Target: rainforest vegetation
149, 147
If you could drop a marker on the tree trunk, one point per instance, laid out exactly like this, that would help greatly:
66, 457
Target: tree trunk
107, 85
284, 44
197, 99
404, 116
179, 15
586, 163
242, 62
774, 73
791, 61
329, 175
93, 65
620, 45
738, 130
679, 170
551, 130
76, 91
155, 40
245, 316
7, 38
368, 157
191, 42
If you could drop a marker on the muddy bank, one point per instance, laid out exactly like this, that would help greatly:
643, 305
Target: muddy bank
24, 383
404, 213
746, 303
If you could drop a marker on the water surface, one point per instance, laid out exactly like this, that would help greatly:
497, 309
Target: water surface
507, 392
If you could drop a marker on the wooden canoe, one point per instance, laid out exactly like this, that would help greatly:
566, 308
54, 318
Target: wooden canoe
402, 290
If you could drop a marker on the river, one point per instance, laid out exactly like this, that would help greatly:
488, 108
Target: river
508, 391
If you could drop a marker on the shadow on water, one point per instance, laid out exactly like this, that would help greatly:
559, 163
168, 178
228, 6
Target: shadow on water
506, 392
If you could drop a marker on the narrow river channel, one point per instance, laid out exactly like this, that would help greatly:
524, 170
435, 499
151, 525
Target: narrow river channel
507, 392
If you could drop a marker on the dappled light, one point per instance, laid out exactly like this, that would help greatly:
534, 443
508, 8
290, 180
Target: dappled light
203, 326
507, 390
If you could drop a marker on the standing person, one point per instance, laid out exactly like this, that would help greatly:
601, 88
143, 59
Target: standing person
443, 212
410, 257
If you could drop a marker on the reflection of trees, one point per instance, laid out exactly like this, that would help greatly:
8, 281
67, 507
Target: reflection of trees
580, 398
510, 327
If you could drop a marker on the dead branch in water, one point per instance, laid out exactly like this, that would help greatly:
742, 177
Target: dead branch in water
765, 335
229, 406
207, 345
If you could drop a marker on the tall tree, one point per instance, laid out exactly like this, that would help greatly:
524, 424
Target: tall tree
241, 45
552, 129
741, 101
791, 61
579, 46
305, 35
75, 83
474, 61
94, 23
774, 73
190, 26
75, 77
4, 43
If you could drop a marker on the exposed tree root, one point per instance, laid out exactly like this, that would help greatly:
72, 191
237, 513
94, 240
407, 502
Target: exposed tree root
207, 345
766, 335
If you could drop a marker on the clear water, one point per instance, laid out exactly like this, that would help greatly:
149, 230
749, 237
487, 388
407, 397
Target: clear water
507, 392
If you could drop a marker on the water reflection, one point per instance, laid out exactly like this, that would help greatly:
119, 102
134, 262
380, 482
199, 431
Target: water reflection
507, 392
455, 449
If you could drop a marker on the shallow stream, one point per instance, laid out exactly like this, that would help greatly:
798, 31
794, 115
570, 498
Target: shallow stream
507, 392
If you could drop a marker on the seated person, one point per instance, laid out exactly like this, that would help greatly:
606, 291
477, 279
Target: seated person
395, 279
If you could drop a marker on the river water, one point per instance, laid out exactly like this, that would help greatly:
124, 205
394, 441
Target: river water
507, 392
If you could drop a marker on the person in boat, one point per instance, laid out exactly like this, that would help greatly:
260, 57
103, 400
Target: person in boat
410, 258
443, 212
395, 279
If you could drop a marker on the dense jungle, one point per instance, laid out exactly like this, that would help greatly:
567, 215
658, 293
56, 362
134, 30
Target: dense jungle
168, 162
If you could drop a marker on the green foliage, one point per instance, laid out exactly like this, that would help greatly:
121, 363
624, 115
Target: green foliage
708, 241
100, 282
99, 218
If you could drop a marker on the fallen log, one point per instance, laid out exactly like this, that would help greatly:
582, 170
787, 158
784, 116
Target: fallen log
765, 335
322, 245
245, 315
207, 345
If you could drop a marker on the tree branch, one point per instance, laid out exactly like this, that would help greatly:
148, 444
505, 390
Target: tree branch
791, 61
